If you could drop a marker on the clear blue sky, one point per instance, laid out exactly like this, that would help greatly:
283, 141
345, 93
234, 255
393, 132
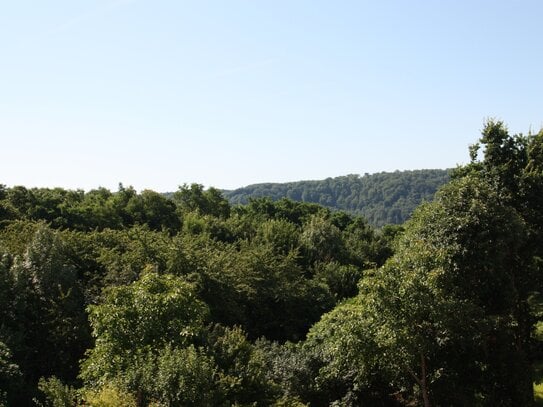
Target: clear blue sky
228, 93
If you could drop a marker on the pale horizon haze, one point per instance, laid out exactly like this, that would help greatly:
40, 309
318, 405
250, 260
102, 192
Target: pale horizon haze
155, 94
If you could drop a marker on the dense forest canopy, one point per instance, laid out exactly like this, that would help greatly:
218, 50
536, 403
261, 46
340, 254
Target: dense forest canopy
382, 198
136, 299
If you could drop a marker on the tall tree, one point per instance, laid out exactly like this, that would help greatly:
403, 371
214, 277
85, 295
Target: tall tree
438, 320
514, 166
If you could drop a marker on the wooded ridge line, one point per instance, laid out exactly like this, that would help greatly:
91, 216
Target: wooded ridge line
382, 198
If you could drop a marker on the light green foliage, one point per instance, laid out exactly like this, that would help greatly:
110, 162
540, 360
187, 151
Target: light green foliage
184, 377
350, 360
149, 313
538, 394
242, 367
289, 402
109, 395
283, 236
56, 393
538, 383
44, 266
16, 235
321, 239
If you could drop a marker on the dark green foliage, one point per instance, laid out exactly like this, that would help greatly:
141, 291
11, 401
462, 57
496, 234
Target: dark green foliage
383, 198
154, 210
278, 302
349, 364
293, 368
242, 371
264, 292
124, 254
514, 164
96, 209
123, 260
193, 198
447, 320
282, 236
282, 209
436, 324
452, 322
342, 280
42, 319
56, 394
10, 377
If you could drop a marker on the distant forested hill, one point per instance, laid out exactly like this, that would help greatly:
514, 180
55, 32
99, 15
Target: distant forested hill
383, 198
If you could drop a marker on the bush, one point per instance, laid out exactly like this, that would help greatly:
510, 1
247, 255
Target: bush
57, 394
109, 395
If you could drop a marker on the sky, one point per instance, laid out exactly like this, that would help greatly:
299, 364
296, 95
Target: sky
155, 94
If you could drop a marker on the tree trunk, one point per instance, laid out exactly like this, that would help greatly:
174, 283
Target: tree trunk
423, 382
139, 398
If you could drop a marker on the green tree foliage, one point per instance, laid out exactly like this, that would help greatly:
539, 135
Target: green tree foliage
281, 235
514, 164
96, 209
56, 393
277, 301
242, 369
194, 198
342, 280
147, 336
321, 239
10, 377
446, 321
109, 395
382, 198
293, 369
266, 293
42, 319
437, 323
154, 210
347, 363
451, 287
145, 315
125, 261
124, 254
179, 376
